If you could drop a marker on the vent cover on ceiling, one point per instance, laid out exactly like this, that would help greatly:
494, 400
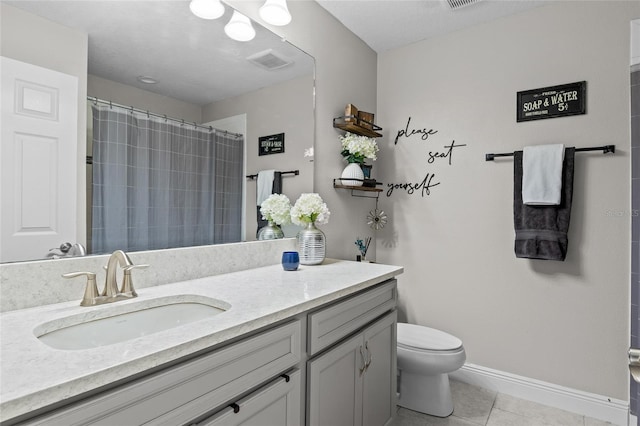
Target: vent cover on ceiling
269, 59
457, 4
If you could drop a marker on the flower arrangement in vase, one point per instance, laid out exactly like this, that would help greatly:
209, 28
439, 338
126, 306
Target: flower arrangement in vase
277, 211
308, 211
356, 149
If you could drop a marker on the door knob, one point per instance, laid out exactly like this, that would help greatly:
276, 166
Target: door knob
634, 363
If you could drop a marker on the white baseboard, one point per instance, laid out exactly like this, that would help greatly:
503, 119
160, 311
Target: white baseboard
633, 420
588, 404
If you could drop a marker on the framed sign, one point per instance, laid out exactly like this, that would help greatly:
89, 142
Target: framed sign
272, 144
550, 102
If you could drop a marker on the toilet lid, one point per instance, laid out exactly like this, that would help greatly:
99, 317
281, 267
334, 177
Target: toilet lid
419, 337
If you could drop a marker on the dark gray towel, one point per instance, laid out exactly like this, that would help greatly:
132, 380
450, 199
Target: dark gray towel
276, 189
541, 231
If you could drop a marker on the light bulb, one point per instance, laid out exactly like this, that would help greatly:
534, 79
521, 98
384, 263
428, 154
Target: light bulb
239, 27
207, 9
275, 12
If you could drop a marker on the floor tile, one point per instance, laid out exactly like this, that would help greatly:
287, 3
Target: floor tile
505, 418
413, 418
545, 415
472, 403
588, 421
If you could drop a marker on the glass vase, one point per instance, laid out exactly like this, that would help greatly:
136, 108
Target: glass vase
311, 245
270, 232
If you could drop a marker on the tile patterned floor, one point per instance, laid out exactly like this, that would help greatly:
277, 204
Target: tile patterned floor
473, 406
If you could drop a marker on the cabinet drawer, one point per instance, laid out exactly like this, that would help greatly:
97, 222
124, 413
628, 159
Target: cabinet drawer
331, 324
277, 403
184, 392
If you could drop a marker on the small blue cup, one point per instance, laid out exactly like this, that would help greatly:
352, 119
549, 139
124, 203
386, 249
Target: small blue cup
290, 260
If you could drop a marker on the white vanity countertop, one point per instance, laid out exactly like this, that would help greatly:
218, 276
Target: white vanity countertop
33, 375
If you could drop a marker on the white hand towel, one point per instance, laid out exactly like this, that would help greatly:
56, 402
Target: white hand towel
264, 185
542, 174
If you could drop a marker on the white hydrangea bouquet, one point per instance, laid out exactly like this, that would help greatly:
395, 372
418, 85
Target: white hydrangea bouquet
310, 208
276, 209
357, 148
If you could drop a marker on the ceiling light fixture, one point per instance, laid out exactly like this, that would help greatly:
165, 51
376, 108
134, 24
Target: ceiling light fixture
239, 27
207, 9
275, 12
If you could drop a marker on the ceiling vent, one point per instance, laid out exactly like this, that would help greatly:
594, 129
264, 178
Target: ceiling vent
269, 59
458, 4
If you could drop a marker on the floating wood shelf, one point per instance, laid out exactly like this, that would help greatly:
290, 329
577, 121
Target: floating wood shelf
356, 125
377, 191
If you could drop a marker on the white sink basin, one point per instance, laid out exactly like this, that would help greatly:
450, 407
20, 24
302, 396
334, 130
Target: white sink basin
141, 319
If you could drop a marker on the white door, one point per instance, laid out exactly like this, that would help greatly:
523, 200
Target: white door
38, 151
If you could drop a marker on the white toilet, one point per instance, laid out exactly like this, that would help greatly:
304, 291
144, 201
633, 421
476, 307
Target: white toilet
426, 356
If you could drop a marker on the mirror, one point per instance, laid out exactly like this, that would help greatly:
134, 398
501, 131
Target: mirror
202, 76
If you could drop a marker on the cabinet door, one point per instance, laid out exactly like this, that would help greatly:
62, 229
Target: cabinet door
276, 404
379, 378
335, 385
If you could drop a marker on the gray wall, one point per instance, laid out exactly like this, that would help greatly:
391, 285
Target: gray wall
283, 108
345, 73
561, 322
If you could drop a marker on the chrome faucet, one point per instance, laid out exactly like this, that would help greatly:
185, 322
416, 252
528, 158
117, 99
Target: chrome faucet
110, 293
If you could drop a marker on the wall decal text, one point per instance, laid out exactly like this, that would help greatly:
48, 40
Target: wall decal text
448, 154
408, 133
411, 188
424, 186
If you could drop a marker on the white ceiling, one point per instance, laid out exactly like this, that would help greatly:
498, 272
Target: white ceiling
195, 62
192, 59
387, 24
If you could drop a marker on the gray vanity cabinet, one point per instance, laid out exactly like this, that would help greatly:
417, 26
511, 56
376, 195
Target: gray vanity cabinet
353, 382
180, 394
260, 380
277, 403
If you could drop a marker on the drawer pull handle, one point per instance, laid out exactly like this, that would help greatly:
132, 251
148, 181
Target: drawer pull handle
236, 407
286, 378
364, 361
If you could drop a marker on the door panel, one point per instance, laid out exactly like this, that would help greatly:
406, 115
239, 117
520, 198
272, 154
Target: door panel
38, 151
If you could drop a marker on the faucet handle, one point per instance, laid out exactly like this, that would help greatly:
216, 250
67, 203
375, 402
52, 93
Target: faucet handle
91, 290
127, 280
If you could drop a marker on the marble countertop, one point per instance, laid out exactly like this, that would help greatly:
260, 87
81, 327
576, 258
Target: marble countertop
33, 375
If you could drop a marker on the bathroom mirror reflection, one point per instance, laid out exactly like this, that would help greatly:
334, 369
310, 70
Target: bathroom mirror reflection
259, 88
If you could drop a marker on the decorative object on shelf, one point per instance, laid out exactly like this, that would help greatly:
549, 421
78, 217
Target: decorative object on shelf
376, 219
277, 210
290, 260
355, 149
363, 246
308, 211
352, 175
366, 170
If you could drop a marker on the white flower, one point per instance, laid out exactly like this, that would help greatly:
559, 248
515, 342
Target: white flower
310, 208
276, 209
356, 148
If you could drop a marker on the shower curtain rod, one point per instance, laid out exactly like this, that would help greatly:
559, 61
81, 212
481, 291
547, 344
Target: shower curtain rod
604, 149
177, 120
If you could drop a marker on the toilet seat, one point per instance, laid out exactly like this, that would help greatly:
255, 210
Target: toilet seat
416, 337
